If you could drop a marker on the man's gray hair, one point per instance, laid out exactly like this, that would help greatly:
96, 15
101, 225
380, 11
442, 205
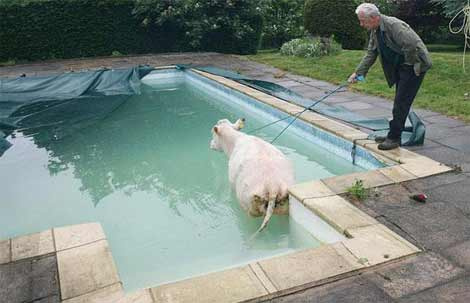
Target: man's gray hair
368, 10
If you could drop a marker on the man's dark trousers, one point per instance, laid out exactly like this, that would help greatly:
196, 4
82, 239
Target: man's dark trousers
407, 86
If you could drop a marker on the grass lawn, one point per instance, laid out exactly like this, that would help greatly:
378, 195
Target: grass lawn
445, 89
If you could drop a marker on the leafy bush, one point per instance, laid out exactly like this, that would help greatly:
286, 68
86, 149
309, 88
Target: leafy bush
451, 7
43, 29
310, 47
216, 25
335, 17
283, 21
387, 7
430, 19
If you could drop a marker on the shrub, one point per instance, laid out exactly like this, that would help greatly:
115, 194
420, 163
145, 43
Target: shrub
335, 17
451, 7
387, 7
216, 25
283, 21
310, 47
43, 29
223, 26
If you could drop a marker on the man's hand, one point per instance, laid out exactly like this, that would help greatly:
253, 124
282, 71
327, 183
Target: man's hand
352, 78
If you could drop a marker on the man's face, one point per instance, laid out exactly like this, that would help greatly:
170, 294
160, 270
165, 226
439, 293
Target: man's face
368, 22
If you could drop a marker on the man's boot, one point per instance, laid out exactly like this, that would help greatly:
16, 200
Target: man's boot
389, 144
380, 139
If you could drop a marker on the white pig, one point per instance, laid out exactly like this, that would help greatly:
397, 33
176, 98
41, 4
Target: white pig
258, 172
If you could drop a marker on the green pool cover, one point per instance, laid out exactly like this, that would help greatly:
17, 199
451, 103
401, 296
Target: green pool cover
68, 102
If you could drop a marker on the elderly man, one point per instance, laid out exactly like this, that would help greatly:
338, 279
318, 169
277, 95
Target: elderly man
404, 59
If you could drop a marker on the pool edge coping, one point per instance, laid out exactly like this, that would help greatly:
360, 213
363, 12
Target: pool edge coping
370, 243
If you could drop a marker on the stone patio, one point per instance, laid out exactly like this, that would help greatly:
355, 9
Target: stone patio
440, 227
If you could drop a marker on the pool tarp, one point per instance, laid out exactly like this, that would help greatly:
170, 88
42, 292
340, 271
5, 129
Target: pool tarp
412, 135
68, 102
64, 103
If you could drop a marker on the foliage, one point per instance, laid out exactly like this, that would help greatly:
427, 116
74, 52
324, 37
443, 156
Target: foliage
65, 29
216, 25
443, 90
223, 25
386, 7
335, 17
162, 22
42, 29
451, 7
358, 191
310, 47
427, 19
283, 21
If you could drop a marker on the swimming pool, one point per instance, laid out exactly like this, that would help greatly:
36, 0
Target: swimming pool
147, 174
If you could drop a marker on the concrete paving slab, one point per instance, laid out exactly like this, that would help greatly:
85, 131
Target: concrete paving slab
234, 285
356, 105
459, 254
423, 167
86, 269
465, 129
414, 274
397, 229
339, 213
51, 299
456, 194
373, 178
424, 184
263, 278
353, 290
317, 83
109, 294
140, 296
312, 189
390, 198
375, 112
5, 251
435, 225
423, 113
288, 83
307, 90
307, 266
77, 235
29, 280
457, 141
457, 291
397, 174
373, 100
32, 245
428, 144
377, 244
442, 120
437, 131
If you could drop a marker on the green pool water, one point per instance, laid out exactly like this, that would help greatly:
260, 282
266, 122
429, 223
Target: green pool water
147, 174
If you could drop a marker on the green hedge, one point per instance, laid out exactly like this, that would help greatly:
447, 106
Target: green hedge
44, 29
335, 17
283, 21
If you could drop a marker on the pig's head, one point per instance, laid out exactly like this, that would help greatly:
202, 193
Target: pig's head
219, 129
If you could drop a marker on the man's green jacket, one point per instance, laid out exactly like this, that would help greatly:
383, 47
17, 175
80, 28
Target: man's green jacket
400, 38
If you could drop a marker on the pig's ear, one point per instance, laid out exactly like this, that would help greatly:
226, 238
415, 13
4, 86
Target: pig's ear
216, 130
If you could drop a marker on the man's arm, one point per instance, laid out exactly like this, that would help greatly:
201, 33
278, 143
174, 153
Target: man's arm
367, 61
